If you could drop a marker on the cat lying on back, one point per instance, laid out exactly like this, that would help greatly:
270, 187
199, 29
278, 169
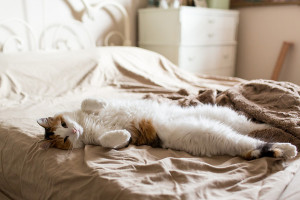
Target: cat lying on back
204, 130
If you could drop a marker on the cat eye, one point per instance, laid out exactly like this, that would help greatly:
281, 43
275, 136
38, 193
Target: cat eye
63, 124
66, 139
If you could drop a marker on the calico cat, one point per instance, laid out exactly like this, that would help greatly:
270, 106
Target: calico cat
204, 130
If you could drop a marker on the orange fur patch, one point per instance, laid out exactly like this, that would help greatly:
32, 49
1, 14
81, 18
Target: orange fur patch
56, 142
144, 133
55, 122
277, 153
248, 155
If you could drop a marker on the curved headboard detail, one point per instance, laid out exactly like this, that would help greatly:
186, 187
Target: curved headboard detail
17, 35
15, 41
126, 36
75, 36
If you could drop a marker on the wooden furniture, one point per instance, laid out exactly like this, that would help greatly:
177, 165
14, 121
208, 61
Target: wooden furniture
244, 3
200, 40
281, 57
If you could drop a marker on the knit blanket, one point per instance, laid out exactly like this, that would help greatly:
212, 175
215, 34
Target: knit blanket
264, 101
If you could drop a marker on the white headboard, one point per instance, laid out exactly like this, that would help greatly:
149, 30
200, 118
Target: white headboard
47, 25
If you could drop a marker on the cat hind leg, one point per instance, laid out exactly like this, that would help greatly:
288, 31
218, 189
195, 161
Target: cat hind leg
276, 150
238, 122
209, 138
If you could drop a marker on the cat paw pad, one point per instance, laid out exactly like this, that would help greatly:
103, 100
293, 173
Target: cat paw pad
284, 150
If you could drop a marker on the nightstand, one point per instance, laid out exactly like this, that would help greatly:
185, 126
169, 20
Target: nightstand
200, 40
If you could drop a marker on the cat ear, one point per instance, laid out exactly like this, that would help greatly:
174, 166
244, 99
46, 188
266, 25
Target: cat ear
44, 122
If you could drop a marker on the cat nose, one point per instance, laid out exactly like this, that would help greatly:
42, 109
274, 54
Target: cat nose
74, 130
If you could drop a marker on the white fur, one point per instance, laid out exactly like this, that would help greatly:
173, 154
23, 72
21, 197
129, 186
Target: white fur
287, 150
115, 139
202, 130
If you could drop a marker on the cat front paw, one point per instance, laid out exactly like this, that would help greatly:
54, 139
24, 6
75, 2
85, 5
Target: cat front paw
92, 105
115, 139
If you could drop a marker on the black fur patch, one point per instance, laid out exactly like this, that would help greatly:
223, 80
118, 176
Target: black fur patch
130, 139
65, 139
48, 132
156, 143
266, 151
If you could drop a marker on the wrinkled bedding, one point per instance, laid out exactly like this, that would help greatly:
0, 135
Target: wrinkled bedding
38, 85
263, 101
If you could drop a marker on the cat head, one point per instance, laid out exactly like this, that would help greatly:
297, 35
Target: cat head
60, 131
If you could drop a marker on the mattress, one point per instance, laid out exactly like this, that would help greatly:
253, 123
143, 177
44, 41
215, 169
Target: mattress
35, 85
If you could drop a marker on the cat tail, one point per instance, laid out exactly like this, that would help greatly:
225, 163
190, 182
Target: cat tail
143, 133
275, 150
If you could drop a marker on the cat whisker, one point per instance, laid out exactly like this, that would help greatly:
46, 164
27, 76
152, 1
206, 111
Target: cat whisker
36, 143
35, 148
69, 152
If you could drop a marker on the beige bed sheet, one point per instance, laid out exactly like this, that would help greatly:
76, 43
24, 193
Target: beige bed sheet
39, 85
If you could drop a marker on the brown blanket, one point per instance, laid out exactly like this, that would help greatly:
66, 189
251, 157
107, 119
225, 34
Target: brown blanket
266, 101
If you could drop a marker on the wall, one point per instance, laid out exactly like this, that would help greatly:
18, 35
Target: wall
261, 33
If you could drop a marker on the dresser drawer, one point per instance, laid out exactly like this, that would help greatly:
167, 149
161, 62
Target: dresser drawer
200, 29
200, 40
206, 57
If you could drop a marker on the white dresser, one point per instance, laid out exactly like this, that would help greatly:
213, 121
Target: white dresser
200, 40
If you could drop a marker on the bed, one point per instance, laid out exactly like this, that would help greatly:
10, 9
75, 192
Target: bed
36, 84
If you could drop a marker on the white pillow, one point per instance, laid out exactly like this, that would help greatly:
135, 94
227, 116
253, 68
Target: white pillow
44, 74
